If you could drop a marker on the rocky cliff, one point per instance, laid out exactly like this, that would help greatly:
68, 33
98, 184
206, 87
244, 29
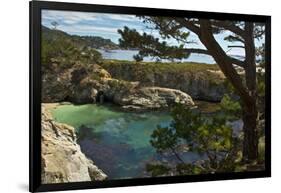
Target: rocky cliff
62, 159
200, 81
91, 84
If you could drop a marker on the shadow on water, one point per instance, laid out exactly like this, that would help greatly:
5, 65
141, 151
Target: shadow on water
116, 157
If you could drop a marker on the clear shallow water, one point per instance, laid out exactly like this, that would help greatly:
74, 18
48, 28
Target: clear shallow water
128, 55
118, 142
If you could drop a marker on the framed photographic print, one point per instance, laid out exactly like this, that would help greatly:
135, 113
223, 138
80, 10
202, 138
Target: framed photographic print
126, 96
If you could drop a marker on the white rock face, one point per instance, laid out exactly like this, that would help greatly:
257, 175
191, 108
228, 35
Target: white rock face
62, 159
146, 98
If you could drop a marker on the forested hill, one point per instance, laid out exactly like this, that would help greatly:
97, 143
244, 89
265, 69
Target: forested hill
80, 41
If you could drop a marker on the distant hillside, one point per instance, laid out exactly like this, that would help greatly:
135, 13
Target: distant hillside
91, 41
65, 50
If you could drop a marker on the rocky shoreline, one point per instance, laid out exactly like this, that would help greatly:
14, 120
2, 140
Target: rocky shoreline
62, 158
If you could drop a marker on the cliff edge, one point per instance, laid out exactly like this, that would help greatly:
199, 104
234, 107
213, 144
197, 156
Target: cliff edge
62, 159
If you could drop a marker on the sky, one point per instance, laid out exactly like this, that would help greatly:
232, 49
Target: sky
87, 23
106, 26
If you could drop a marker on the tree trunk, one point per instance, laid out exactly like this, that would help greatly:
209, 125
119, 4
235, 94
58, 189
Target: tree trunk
246, 92
250, 143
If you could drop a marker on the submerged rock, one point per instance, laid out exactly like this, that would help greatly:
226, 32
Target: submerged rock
62, 159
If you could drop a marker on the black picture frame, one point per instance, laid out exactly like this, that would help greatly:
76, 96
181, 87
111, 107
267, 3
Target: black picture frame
35, 96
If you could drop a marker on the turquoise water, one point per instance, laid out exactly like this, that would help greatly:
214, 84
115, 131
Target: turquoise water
135, 127
118, 142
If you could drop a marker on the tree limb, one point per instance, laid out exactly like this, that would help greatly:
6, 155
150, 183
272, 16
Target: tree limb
232, 38
237, 62
188, 24
228, 26
224, 61
206, 52
235, 46
196, 51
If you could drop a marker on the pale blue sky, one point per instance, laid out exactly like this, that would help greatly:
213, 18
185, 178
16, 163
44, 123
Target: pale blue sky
106, 26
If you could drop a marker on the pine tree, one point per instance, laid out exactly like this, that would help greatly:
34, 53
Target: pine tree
241, 35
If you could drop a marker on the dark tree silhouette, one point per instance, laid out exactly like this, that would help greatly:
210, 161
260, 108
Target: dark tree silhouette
241, 35
54, 24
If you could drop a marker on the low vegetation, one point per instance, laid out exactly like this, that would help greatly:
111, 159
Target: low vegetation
161, 66
141, 71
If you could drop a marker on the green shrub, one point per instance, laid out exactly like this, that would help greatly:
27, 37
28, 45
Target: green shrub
143, 71
157, 169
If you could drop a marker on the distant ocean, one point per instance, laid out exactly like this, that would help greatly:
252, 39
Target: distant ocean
128, 55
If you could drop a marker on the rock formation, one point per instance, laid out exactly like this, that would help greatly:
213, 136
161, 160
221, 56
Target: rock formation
201, 84
90, 84
62, 159
147, 98
78, 84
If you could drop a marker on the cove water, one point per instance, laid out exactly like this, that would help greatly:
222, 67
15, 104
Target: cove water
117, 141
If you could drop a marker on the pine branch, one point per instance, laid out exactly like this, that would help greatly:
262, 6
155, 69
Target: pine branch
229, 26
196, 51
237, 62
236, 46
206, 52
232, 38
189, 24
